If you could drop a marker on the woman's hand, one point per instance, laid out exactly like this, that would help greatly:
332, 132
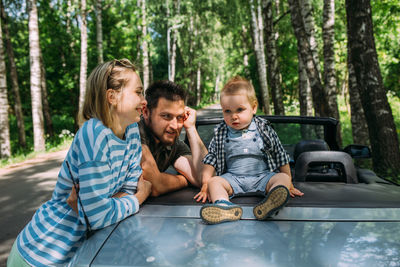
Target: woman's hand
72, 199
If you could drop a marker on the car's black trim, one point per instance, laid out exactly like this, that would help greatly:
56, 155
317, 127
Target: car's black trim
330, 124
316, 194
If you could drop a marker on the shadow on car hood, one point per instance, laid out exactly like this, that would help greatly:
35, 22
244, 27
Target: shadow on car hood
154, 238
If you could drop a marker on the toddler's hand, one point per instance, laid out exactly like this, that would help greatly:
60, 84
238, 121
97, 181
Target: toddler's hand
295, 192
203, 194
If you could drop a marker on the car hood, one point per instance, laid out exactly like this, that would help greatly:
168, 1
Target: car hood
298, 236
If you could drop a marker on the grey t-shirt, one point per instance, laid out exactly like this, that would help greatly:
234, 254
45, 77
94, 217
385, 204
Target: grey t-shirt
163, 155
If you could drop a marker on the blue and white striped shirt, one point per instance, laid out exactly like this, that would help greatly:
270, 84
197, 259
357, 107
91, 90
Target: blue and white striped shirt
103, 165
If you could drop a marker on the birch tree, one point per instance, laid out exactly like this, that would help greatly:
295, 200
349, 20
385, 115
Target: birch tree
83, 66
99, 31
358, 122
35, 76
14, 80
328, 35
364, 59
172, 26
5, 148
273, 70
144, 46
46, 107
318, 94
246, 46
198, 84
258, 42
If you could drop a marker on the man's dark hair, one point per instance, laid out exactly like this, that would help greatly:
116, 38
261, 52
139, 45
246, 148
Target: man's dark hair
166, 89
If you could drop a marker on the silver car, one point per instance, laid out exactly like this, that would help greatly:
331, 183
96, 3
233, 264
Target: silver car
348, 215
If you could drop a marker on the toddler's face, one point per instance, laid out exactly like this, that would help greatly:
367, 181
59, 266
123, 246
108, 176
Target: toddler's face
237, 110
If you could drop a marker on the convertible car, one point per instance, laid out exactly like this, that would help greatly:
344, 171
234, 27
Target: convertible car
348, 215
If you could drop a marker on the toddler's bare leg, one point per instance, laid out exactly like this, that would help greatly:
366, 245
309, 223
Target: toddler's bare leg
278, 179
277, 197
222, 210
219, 188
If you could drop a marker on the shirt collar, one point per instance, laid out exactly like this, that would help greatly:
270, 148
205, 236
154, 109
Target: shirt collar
252, 127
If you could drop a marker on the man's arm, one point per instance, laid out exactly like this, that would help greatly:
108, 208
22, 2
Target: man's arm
197, 147
208, 172
161, 182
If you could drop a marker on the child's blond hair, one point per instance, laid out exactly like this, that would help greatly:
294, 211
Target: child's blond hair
238, 83
105, 76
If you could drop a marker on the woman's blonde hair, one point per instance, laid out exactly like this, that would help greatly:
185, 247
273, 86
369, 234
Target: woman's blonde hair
237, 83
105, 76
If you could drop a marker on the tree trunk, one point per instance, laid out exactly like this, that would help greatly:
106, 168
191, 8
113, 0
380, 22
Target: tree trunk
363, 57
14, 80
68, 15
83, 67
145, 50
305, 100
328, 34
319, 97
99, 31
36, 95
305, 97
5, 147
198, 85
216, 87
46, 107
359, 124
260, 55
307, 11
192, 45
274, 74
246, 46
172, 48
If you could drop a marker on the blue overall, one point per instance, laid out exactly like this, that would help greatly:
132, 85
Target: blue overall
246, 171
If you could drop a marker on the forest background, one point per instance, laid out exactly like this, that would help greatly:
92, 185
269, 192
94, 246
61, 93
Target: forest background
304, 57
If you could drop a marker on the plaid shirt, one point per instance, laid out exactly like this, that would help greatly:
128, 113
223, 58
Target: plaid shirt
275, 154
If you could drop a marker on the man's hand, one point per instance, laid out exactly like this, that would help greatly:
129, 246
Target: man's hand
150, 170
72, 199
161, 182
190, 118
203, 195
143, 190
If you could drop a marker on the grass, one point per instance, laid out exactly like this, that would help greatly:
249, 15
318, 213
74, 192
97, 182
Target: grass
22, 156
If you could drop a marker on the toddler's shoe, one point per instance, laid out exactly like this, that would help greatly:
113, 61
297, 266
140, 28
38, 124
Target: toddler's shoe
220, 211
274, 201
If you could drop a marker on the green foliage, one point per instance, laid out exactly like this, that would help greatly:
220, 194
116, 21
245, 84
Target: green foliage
214, 37
386, 18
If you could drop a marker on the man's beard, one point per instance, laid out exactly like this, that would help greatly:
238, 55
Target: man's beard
165, 143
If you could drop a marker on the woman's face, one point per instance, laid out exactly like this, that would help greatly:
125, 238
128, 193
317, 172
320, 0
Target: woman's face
130, 99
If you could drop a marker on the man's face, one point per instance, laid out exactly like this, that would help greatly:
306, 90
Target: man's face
166, 120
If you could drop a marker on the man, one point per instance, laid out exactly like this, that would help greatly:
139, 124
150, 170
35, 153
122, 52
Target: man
163, 119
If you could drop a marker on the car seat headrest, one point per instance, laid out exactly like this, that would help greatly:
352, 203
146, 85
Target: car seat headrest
309, 145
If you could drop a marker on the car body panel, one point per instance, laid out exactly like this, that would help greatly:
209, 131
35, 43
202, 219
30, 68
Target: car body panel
169, 239
333, 224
